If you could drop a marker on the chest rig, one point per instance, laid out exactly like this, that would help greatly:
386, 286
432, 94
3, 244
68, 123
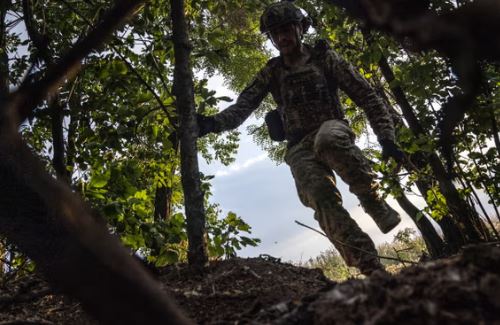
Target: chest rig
306, 95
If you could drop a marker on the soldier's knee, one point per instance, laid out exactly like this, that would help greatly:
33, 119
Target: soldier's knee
333, 135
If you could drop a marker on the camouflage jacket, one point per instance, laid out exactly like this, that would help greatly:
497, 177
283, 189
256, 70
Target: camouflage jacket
307, 95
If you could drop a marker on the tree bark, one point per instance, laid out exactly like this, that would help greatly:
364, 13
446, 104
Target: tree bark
434, 243
74, 104
467, 184
4, 58
494, 129
59, 151
163, 195
163, 209
191, 183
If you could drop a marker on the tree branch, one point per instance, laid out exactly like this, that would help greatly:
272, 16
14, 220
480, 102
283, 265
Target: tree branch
354, 247
40, 41
128, 64
29, 94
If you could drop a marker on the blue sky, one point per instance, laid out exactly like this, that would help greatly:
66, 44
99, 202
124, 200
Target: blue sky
264, 195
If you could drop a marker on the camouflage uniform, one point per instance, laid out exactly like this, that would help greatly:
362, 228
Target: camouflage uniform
319, 140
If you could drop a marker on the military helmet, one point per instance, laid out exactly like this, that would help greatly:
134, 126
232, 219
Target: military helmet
281, 13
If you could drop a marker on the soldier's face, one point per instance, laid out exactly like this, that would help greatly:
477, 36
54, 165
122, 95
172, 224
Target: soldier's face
285, 38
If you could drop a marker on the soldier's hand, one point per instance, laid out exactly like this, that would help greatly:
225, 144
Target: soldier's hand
391, 149
206, 124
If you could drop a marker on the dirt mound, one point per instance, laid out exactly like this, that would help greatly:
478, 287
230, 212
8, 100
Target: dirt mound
236, 289
461, 290
29, 300
229, 291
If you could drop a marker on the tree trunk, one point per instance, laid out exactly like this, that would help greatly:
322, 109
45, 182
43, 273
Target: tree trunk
75, 110
434, 243
494, 129
163, 200
163, 195
462, 212
4, 58
41, 44
59, 151
191, 183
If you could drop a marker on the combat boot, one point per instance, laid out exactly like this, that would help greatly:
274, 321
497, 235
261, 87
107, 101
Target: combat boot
384, 216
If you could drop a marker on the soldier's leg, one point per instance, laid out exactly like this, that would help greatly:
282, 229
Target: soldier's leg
316, 187
334, 145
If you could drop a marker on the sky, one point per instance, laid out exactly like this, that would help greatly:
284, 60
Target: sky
264, 195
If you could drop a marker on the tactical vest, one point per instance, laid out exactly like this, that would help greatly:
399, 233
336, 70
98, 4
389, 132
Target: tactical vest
306, 95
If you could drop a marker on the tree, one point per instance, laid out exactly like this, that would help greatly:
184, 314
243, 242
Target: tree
124, 156
62, 236
184, 92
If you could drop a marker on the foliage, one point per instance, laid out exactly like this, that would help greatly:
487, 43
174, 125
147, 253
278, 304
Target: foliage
406, 246
120, 119
12, 263
224, 234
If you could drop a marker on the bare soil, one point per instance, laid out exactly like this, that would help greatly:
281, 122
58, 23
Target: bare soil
464, 289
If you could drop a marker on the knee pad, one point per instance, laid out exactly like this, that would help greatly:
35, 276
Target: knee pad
333, 135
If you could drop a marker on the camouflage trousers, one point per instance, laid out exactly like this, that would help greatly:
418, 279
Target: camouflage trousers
311, 162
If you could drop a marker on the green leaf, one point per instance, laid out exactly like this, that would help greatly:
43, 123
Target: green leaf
394, 83
169, 257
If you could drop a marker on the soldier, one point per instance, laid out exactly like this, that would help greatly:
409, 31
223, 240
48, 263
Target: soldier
304, 81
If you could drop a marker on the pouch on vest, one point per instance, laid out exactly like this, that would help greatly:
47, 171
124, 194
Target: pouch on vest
275, 125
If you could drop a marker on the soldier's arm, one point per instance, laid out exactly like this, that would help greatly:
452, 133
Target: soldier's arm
360, 91
248, 100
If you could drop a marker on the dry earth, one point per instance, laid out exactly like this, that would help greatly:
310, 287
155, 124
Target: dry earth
464, 289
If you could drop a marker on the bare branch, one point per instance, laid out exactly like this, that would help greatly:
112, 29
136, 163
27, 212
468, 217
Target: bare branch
354, 247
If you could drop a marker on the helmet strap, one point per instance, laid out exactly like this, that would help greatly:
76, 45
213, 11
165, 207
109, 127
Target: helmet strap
298, 33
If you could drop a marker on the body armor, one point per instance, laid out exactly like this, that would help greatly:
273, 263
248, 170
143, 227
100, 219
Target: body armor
305, 95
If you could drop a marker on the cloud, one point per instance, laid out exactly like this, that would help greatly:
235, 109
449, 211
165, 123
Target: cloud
237, 167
